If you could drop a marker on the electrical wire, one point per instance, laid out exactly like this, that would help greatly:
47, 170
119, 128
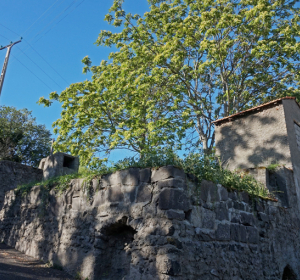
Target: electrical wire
47, 63
66, 15
9, 30
32, 73
73, 2
37, 53
40, 68
41, 16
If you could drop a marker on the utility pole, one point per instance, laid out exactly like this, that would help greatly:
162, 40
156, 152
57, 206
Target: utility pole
6, 62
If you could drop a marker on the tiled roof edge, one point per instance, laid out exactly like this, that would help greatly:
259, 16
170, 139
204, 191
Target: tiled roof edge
262, 106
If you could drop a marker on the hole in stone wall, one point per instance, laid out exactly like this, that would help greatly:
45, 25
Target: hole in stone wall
120, 231
289, 274
113, 261
69, 162
188, 215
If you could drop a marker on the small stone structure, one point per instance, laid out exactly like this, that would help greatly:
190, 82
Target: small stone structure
59, 164
152, 224
260, 136
267, 134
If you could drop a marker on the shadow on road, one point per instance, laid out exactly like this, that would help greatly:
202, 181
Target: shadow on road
15, 265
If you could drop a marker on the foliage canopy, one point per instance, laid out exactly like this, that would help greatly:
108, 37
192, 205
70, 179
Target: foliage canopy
177, 68
21, 138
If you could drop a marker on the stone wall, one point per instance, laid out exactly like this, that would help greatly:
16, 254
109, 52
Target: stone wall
155, 224
13, 174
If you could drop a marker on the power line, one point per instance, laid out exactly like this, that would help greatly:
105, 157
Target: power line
40, 68
40, 16
37, 53
54, 19
32, 73
4, 37
47, 63
66, 15
9, 29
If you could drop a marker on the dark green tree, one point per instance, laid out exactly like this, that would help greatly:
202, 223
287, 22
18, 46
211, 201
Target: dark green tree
21, 138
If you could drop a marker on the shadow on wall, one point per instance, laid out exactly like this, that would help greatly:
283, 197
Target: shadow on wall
247, 142
98, 247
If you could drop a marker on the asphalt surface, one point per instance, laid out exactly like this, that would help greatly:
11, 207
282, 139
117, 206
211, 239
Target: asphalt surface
17, 266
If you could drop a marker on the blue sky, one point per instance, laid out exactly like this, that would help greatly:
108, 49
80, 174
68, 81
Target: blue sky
57, 34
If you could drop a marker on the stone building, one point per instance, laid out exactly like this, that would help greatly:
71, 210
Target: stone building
59, 164
263, 135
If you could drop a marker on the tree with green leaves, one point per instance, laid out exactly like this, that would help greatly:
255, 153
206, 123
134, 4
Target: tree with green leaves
21, 138
201, 60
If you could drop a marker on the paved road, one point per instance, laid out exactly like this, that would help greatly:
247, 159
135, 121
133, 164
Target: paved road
17, 266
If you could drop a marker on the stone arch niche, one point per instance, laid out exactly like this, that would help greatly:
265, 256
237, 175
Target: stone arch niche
288, 273
113, 260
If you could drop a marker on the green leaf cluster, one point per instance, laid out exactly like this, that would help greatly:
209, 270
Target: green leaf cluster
21, 138
176, 69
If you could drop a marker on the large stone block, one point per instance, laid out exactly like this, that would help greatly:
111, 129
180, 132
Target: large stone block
115, 194
167, 172
247, 219
172, 183
175, 214
223, 193
204, 234
252, 235
223, 232
222, 211
208, 218
173, 199
238, 233
144, 193
130, 176
209, 191
145, 175
167, 265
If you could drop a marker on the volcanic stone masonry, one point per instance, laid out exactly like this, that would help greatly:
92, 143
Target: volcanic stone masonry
155, 224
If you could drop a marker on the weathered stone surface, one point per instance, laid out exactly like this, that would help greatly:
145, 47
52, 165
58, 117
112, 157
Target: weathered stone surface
172, 183
130, 176
223, 193
222, 212
13, 174
145, 175
58, 164
223, 232
238, 233
252, 234
247, 219
115, 194
208, 218
173, 199
175, 214
205, 235
209, 191
118, 230
144, 193
167, 265
166, 172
